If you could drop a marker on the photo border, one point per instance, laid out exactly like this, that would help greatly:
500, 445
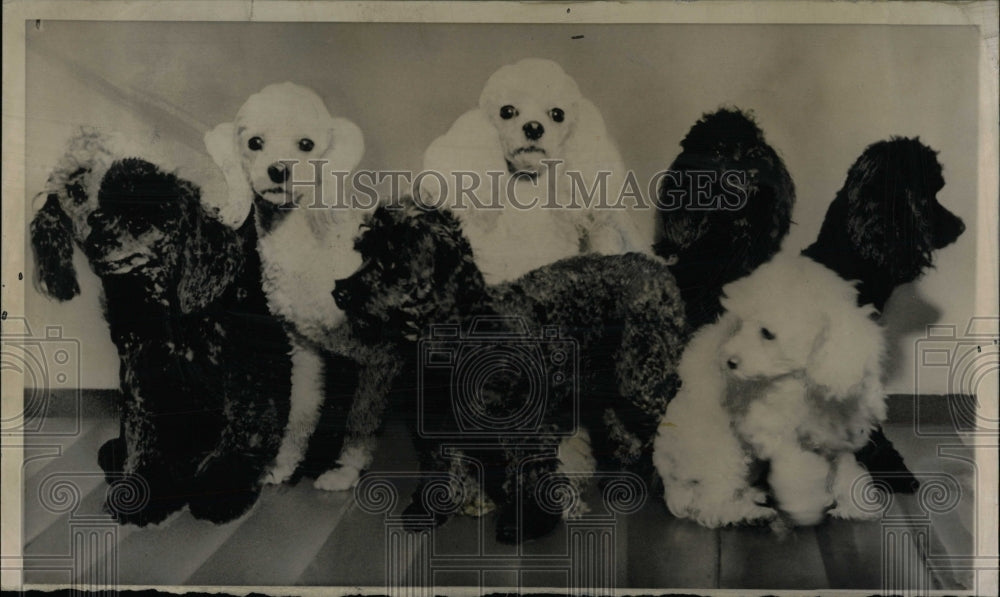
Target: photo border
15, 13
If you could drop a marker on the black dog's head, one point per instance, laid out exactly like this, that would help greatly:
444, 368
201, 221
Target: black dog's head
726, 163
149, 228
886, 222
417, 271
893, 217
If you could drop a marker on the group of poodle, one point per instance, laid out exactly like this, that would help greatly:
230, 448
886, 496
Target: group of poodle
529, 349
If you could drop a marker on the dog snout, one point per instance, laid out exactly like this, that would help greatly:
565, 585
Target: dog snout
948, 227
342, 293
733, 363
533, 130
277, 172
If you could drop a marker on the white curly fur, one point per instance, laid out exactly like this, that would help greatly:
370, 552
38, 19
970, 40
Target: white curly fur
306, 251
790, 374
508, 241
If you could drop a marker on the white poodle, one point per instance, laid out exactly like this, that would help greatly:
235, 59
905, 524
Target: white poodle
530, 113
303, 250
789, 375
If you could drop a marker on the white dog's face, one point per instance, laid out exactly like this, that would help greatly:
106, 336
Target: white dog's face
279, 124
533, 105
770, 343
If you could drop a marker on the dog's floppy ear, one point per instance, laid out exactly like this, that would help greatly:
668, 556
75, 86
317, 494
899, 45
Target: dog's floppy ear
347, 145
52, 242
472, 144
346, 148
589, 148
220, 143
846, 358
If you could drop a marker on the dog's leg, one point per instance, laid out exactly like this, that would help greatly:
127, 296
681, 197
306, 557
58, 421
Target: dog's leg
307, 392
849, 480
799, 481
363, 422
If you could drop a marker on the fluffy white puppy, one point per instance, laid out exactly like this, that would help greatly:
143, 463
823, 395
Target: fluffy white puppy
264, 154
790, 375
531, 138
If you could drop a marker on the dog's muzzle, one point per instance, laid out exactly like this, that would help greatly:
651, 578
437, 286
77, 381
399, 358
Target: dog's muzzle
344, 293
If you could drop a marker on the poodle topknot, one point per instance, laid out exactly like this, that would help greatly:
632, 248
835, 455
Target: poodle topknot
791, 376
532, 112
708, 248
282, 122
303, 249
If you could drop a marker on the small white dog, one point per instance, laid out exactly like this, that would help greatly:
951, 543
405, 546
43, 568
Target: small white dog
303, 250
529, 113
790, 375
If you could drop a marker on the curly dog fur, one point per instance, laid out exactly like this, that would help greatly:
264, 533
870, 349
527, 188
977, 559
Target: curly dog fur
886, 222
530, 112
791, 378
303, 251
726, 160
204, 368
882, 230
622, 313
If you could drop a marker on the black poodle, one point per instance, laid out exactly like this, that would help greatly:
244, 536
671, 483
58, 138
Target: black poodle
885, 223
205, 370
512, 370
725, 206
882, 230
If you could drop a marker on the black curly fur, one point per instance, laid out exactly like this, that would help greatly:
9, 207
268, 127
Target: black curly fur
52, 243
205, 371
885, 222
715, 246
623, 314
881, 230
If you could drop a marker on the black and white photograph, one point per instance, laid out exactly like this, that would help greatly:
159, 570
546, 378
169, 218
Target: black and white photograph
465, 298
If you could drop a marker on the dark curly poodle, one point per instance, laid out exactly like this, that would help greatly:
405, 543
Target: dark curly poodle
882, 230
205, 371
885, 223
725, 206
512, 386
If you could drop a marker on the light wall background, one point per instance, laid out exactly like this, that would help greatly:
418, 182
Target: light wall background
820, 93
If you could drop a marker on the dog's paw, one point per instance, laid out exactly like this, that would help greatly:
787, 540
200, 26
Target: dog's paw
111, 457
338, 479
225, 487
846, 509
285, 464
278, 474
533, 523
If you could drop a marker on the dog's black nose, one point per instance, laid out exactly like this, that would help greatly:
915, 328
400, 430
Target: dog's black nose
733, 363
533, 130
341, 295
277, 172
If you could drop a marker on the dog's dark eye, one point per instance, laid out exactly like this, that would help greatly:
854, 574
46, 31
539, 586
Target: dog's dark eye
767, 334
508, 112
255, 144
557, 114
306, 145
